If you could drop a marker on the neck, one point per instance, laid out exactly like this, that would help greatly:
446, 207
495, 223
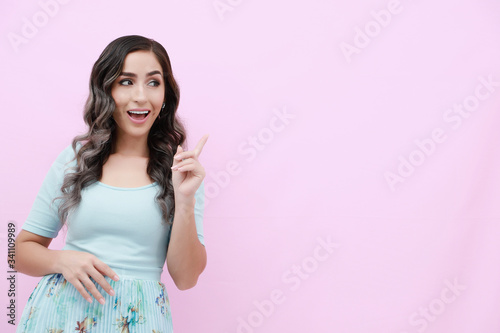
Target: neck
130, 146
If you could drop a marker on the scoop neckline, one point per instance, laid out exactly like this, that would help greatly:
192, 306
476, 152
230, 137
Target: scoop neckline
127, 188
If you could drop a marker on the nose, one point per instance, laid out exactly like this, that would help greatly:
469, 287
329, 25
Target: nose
139, 95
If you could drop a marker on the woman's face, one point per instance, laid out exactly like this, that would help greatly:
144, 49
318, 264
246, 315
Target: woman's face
138, 94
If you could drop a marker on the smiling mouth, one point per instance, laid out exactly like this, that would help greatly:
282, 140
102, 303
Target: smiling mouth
138, 115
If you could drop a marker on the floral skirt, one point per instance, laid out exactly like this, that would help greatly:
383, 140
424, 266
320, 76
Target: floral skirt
55, 306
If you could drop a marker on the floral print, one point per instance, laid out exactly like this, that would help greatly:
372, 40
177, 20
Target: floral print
132, 319
55, 306
54, 281
85, 325
161, 301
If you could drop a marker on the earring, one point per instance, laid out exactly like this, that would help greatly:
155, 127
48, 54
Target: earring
160, 114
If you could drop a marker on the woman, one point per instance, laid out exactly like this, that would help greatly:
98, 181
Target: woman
127, 191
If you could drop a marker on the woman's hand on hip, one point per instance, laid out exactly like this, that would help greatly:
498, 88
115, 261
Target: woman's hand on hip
77, 267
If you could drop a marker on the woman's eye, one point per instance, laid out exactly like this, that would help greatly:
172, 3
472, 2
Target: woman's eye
154, 83
125, 82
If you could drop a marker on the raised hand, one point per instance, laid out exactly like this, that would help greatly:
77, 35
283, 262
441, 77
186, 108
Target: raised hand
187, 172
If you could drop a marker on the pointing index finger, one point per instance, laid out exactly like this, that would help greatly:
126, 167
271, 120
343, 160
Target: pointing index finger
200, 145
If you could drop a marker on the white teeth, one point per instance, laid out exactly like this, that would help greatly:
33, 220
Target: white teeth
139, 112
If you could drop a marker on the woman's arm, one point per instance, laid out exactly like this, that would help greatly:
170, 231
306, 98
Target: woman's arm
32, 257
186, 256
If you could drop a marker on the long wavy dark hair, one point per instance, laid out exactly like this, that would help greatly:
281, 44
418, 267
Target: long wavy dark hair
165, 135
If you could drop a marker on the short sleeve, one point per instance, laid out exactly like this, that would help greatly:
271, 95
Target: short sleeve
199, 208
43, 218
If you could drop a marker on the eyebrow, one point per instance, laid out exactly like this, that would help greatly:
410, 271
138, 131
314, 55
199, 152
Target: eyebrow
134, 75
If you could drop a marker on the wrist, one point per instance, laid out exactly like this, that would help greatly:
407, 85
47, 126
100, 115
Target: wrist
55, 266
183, 210
185, 203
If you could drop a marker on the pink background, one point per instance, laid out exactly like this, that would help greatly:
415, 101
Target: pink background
302, 137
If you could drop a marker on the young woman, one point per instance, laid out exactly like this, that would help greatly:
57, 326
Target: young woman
127, 191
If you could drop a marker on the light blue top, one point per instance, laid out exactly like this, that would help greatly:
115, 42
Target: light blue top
120, 226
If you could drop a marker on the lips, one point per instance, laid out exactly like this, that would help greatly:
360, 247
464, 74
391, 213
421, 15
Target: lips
138, 116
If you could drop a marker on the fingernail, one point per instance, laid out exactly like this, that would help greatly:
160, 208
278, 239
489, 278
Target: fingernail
116, 278
101, 300
174, 167
112, 292
177, 157
89, 300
